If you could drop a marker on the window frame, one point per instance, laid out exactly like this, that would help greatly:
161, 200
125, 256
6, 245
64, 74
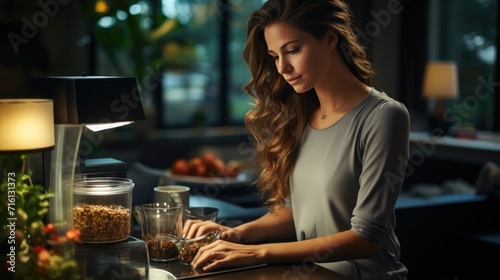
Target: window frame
224, 95
414, 40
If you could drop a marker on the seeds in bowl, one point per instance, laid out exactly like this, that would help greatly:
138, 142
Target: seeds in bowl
190, 247
162, 248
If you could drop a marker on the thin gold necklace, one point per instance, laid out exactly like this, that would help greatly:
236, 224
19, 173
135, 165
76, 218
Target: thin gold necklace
324, 116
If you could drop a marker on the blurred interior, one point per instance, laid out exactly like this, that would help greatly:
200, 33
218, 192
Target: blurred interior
186, 56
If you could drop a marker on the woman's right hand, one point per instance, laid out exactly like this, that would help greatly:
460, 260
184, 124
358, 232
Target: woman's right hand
196, 228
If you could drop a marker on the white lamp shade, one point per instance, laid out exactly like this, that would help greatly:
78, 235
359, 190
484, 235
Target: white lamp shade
441, 80
26, 124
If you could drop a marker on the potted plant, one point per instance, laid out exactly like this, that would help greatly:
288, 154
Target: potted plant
31, 249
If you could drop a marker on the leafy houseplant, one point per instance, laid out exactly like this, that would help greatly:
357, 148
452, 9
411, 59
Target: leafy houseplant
138, 43
34, 250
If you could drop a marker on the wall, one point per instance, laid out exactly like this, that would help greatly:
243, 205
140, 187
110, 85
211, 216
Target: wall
386, 45
62, 48
378, 27
40, 38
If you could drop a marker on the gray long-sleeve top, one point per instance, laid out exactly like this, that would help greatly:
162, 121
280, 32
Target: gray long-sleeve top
348, 176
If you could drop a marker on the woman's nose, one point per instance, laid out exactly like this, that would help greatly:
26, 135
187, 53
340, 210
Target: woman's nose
284, 66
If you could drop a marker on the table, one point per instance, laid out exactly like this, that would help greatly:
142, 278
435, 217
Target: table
266, 272
478, 151
478, 254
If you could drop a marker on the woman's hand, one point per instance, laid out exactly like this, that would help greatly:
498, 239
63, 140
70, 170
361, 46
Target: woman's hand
226, 254
196, 228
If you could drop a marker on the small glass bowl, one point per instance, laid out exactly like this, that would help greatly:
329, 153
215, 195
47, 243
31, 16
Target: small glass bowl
163, 248
189, 247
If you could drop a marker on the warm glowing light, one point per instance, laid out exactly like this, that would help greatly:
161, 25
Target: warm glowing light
101, 7
104, 126
441, 80
26, 124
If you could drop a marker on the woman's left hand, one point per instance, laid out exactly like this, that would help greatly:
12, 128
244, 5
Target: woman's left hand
226, 254
196, 228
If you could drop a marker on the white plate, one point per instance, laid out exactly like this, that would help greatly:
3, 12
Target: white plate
244, 179
159, 274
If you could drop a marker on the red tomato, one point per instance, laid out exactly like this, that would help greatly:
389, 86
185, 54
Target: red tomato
180, 167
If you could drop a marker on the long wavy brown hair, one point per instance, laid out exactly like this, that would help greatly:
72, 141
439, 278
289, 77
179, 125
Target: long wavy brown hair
280, 114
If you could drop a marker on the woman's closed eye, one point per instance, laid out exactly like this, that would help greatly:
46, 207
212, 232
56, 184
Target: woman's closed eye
293, 51
289, 52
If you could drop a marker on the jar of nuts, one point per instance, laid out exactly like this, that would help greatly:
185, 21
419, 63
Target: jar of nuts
102, 208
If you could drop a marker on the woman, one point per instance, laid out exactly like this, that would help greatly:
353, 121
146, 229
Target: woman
332, 149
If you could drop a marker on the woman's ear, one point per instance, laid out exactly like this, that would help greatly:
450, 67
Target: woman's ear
332, 38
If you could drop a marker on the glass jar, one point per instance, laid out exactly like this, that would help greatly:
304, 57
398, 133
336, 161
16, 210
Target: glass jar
162, 229
102, 208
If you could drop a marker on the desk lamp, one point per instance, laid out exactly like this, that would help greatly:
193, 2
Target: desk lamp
95, 102
26, 125
440, 84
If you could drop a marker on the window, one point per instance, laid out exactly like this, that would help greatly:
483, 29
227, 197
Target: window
466, 32
190, 92
209, 92
239, 74
187, 55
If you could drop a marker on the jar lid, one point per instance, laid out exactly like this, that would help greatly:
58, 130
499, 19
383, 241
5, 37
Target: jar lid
102, 186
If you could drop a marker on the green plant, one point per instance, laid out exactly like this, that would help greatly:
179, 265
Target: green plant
34, 249
139, 43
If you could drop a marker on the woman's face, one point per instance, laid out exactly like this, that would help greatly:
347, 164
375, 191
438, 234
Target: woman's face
300, 58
